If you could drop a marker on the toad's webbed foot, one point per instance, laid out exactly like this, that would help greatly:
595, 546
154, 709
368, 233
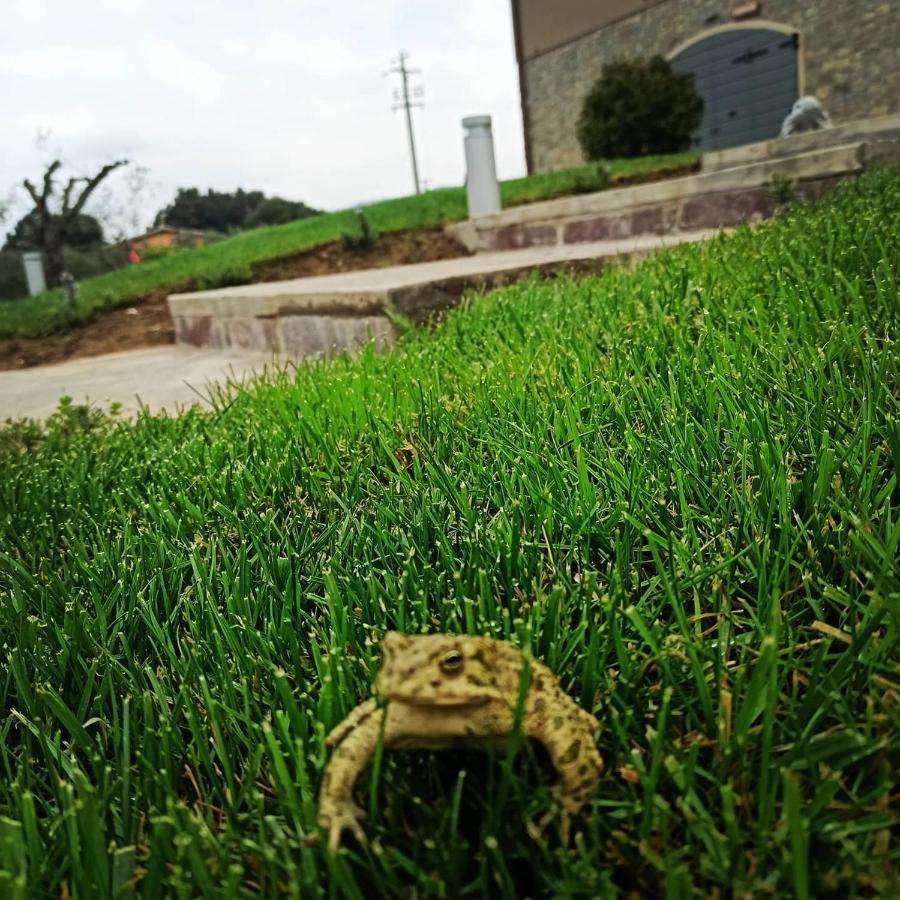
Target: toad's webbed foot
563, 809
341, 817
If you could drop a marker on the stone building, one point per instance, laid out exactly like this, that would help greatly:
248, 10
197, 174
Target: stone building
751, 59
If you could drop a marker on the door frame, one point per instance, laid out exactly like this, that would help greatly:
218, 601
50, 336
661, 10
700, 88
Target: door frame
753, 25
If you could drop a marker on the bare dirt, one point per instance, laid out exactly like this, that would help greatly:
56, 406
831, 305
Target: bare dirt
397, 249
145, 322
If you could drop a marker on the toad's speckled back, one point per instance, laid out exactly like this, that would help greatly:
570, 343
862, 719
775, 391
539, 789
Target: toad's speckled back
447, 670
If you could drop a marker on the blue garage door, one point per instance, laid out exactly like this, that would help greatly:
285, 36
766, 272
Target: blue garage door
748, 80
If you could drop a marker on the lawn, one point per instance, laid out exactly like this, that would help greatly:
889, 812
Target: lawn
231, 261
676, 485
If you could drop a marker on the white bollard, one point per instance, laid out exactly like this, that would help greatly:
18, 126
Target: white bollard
481, 171
34, 273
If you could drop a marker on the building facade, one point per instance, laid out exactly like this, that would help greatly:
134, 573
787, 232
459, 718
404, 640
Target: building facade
172, 237
751, 59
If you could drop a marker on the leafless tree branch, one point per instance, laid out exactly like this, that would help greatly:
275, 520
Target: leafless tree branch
48, 179
67, 193
90, 186
33, 192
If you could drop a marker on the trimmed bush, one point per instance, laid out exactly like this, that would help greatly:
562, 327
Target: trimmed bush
639, 107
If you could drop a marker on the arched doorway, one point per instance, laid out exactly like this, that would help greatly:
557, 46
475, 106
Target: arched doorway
749, 78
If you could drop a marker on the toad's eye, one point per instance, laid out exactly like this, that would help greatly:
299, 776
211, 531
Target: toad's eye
452, 663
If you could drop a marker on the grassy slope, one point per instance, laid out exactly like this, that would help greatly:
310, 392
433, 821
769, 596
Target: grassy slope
231, 261
675, 485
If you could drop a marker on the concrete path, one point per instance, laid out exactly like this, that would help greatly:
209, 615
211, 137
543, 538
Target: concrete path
164, 378
367, 290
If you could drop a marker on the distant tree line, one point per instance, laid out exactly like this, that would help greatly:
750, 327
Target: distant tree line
82, 233
73, 241
226, 212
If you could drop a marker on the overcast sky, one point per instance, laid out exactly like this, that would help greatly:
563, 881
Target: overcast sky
283, 96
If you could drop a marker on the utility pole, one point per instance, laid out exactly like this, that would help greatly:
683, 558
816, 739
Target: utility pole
403, 101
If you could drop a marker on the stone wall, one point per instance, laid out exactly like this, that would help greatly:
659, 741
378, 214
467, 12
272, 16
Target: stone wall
849, 58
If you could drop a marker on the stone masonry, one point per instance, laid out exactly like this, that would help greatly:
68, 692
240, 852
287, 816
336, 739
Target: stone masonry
849, 59
736, 188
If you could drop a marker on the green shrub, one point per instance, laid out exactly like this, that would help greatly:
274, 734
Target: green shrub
594, 177
363, 237
83, 232
90, 263
639, 107
782, 190
278, 211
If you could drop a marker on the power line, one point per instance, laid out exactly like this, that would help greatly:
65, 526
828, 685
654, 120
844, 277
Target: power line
403, 101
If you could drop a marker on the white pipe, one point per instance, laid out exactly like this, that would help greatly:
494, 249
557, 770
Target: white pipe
482, 188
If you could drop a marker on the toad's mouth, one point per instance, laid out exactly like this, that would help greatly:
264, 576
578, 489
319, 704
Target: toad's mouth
419, 700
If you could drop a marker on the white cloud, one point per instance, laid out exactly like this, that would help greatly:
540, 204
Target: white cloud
286, 96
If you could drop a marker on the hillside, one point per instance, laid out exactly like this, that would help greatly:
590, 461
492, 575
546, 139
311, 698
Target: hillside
676, 486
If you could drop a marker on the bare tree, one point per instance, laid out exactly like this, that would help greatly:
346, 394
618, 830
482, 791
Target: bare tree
122, 210
52, 227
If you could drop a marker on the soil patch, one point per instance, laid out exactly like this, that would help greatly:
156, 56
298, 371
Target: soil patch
399, 248
656, 175
145, 322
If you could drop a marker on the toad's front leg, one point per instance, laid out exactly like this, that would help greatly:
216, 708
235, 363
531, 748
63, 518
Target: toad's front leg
569, 740
356, 738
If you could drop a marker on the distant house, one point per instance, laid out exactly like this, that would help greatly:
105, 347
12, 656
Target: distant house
164, 236
751, 60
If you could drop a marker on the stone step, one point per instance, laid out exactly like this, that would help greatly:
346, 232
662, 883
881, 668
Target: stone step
721, 198
317, 316
878, 128
313, 316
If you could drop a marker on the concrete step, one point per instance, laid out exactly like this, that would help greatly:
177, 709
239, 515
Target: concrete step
878, 128
314, 316
329, 313
720, 198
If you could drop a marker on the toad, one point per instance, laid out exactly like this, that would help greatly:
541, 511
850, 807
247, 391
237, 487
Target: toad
444, 691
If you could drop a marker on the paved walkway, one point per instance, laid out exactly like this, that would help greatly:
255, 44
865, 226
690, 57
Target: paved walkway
164, 378
367, 290
169, 378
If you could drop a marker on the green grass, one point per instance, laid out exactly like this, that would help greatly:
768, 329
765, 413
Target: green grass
231, 261
676, 485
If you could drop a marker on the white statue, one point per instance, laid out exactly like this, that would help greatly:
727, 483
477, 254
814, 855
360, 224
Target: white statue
806, 114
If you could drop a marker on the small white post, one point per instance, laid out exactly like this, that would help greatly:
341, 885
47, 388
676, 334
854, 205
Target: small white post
34, 272
481, 171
